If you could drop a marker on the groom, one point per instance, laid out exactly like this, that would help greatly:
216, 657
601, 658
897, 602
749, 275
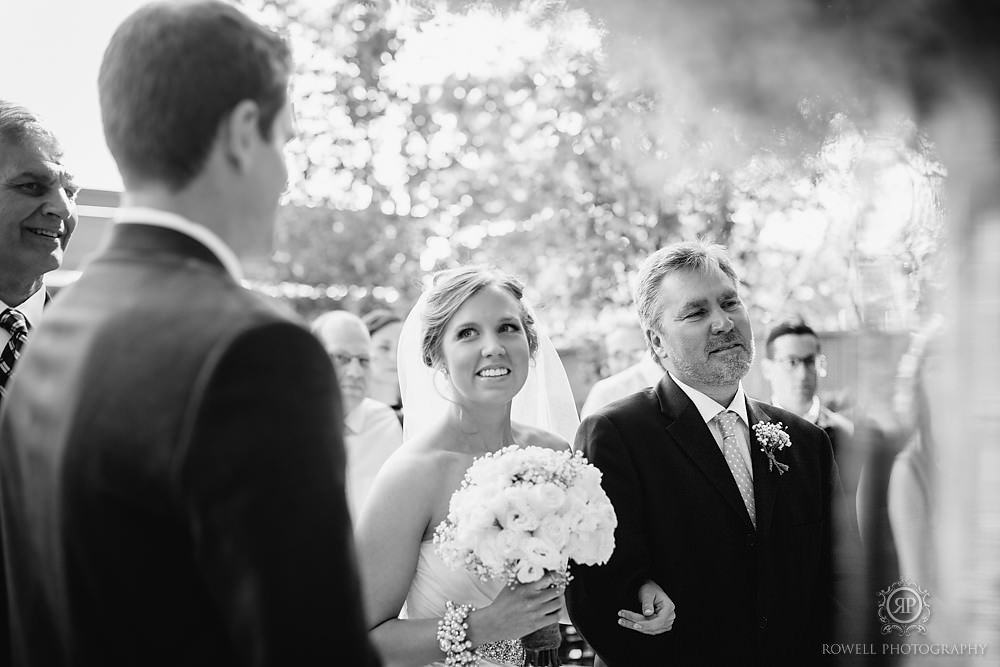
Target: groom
171, 462
724, 553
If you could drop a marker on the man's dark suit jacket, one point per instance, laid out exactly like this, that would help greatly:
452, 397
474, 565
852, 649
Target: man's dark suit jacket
172, 475
739, 592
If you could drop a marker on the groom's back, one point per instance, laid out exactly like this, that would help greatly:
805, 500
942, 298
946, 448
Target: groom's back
104, 565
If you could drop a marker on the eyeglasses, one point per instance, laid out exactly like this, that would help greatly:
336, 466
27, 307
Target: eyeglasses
342, 360
816, 362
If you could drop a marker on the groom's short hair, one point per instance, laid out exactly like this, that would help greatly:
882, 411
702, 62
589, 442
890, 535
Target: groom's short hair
170, 75
683, 256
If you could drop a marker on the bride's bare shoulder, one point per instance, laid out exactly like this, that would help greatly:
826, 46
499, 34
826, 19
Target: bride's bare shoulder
531, 436
424, 456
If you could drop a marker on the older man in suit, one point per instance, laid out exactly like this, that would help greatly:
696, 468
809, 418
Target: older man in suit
37, 219
171, 460
724, 537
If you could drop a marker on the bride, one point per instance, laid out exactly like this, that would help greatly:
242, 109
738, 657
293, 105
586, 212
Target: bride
463, 359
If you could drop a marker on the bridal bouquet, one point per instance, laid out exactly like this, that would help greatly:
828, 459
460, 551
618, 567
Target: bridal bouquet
522, 513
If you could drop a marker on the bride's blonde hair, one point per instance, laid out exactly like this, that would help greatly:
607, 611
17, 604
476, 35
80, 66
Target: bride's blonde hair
451, 289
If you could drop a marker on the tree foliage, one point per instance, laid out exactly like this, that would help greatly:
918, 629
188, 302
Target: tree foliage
432, 136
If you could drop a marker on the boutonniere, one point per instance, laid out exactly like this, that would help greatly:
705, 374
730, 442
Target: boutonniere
772, 438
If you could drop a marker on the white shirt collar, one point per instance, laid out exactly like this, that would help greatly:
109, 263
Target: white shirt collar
355, 419
151, 216
811, 415
709, 408
31, 307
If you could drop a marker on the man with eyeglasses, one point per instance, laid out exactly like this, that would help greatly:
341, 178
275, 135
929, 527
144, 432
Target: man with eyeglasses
793, 365
371, 430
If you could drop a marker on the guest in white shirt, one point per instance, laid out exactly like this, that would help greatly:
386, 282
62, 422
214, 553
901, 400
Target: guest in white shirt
631, 366
371, 430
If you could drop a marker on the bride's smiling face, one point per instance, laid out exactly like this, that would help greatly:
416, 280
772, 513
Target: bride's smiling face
485, 347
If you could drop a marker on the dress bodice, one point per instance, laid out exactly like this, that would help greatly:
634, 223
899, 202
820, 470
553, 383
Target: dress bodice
434, 583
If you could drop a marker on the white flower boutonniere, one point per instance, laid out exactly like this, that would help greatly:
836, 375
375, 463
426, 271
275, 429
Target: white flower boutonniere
772, 438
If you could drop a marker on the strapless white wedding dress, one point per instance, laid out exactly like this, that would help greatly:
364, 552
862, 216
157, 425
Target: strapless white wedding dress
434, 583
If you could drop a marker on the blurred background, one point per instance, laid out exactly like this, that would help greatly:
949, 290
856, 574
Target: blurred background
844, 150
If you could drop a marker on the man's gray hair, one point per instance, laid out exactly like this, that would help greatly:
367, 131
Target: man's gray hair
683, 256
17, 124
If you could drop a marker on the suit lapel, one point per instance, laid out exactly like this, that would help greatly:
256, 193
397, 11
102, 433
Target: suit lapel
764, 481
692, 436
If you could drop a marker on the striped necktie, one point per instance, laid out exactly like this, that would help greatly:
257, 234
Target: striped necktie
14, 322
731, 449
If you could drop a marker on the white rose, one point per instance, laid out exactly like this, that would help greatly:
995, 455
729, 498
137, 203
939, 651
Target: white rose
508, 543
554, 529
547, 497
584, 549
488, 551
541, 553
520, 515
528, 572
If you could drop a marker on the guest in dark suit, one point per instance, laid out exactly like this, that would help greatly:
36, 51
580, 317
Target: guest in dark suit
793, 364
721, 552
171, 460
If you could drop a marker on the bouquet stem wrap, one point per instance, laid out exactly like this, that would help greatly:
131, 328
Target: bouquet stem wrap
541, 647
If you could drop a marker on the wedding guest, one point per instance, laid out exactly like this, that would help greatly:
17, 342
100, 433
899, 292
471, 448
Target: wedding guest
37, 218
793, 364
636, 377
371, 431
384, 327
624, 346
476, 339
913, 480
723, 529
171, 464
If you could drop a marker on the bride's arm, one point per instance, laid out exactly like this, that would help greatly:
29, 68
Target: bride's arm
389, 532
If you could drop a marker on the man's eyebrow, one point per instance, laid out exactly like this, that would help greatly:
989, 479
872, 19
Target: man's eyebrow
61, 176
46, 175
688, 305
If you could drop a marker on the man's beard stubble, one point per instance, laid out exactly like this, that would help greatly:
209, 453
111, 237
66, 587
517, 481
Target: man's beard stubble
734, 367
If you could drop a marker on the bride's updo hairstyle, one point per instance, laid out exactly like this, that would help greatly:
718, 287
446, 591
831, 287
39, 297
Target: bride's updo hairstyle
451, 289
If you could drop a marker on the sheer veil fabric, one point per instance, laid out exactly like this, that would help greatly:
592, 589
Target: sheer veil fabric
545, 401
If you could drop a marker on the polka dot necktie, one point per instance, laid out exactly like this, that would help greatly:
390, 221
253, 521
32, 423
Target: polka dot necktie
731, 449
14, 322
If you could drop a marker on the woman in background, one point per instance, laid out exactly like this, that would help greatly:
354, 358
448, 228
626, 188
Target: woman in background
383, 382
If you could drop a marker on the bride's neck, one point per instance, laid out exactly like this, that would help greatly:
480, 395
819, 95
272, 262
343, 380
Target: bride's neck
482, 431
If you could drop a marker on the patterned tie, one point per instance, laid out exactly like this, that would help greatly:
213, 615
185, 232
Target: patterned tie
731, 449
14, 322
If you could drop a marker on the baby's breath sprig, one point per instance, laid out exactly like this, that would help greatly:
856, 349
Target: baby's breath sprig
773, 437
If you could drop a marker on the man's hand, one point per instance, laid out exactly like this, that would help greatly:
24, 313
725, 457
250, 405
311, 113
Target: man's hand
658, 611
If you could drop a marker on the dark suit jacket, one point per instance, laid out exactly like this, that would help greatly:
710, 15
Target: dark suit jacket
172, 475
763, 593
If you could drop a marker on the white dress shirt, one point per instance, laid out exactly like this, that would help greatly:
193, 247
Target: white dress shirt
709, 408
635, 378
371, 434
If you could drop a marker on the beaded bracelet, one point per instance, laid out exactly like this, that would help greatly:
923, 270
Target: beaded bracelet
453, 635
